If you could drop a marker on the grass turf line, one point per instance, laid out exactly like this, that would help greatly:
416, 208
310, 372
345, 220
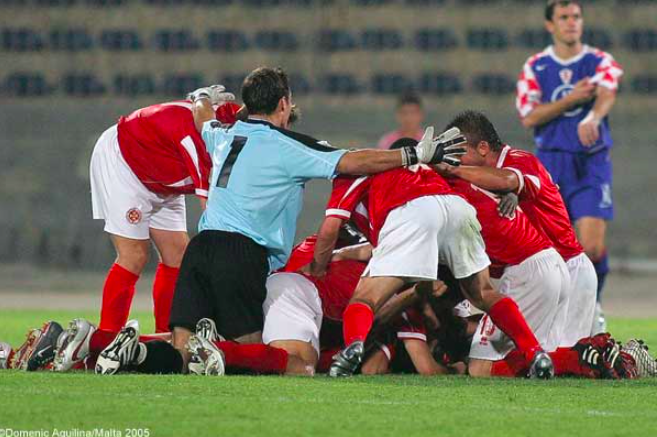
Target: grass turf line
361, 406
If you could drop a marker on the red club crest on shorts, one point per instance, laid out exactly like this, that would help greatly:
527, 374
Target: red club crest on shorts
133, 216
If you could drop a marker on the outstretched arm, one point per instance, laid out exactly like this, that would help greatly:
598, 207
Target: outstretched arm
488, 178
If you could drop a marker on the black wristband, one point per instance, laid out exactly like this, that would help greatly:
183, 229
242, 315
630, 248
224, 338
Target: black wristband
409, 156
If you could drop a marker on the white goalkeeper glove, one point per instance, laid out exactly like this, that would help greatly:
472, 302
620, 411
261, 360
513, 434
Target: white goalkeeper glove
215, 93
447, 148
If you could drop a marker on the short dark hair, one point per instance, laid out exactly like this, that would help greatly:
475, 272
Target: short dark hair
552, 4
477, 127
403, 142
409, 99
263, 88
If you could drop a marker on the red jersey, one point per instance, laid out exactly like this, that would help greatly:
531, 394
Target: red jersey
381, 193
336, 287
161, 145
508, 241
541, 201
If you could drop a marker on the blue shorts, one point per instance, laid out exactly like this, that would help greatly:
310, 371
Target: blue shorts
584, 181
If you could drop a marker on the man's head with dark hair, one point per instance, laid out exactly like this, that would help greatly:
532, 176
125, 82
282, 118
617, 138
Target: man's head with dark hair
563, 19
482, 137
409, 99
266, 92
410, 114
403, 142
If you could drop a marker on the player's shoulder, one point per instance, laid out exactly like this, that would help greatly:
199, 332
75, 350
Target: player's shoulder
300, 139
518, 155
597, 53
537, 57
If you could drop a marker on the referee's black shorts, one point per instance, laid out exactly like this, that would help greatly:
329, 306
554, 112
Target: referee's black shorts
222, 277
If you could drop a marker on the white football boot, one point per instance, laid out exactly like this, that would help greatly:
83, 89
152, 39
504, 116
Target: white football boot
207, 359
124, 351
74, 346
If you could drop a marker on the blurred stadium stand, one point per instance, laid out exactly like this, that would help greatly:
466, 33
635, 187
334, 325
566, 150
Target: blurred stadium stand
70, 68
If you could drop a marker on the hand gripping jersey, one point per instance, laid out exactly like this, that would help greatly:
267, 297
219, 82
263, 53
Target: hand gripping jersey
509, 241
546, 78
161, 145
373, 197
540, 200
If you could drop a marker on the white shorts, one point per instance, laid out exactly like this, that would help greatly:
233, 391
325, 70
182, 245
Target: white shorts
118, 196
539, 285
582, 297
426, 231
293, 310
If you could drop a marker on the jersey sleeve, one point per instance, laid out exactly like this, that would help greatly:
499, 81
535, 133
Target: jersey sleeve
198, 163
528, 90
227, 113
411, 326
608, 72
347, 193
529, 178
213, 132
306, 158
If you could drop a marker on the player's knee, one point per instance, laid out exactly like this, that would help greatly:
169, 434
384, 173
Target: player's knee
478, 369
173, 253
134, 259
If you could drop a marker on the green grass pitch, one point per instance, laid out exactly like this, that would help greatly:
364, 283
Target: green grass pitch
400, 406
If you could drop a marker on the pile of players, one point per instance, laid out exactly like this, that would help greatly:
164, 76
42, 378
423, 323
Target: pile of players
496, 216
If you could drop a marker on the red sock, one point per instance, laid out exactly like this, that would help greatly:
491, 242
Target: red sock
163, 288
501, 368
566, 362
100, 340
506, 315
257, 358
356, 322
118, 292
514, 364
325, 359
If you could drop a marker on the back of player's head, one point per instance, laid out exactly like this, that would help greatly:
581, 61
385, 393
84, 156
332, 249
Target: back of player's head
403, 142
263, 88
477, 127
409, 98
552, 4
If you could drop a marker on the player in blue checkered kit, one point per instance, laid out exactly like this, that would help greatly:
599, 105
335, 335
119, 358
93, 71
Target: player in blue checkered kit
566, 93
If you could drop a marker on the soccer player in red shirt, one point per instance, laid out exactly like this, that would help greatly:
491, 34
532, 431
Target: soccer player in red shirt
415, 222
529, 270
491, 165
141, 168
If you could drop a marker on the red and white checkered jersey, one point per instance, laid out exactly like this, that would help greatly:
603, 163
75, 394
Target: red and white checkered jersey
541, 201
602, 70
509, 241
381, 193
161, 145
336, 287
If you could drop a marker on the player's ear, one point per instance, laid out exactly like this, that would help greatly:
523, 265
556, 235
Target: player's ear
549, 26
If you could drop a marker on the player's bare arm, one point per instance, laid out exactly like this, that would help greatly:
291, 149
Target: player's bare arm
488, 178
545, 112
589, 128
326, 239
358, 252
447, 147
204, 99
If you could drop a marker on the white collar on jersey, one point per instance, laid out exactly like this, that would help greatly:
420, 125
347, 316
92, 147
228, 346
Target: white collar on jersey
502, 157
580, 55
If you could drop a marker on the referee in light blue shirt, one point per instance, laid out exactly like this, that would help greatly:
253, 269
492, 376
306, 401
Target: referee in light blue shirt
256, 193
